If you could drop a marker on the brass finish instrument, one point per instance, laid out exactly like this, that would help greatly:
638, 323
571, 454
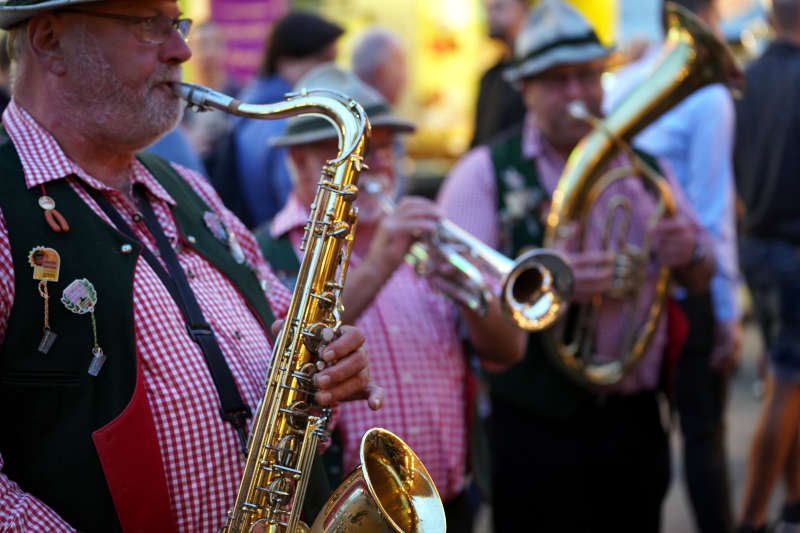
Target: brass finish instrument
392, 484
534, 290
690, 59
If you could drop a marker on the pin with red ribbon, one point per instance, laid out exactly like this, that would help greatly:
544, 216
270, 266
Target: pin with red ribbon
46, 264
80, 297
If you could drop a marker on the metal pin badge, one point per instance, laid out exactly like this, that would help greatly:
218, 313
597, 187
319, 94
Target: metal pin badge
46, 265
222, 234
80, 297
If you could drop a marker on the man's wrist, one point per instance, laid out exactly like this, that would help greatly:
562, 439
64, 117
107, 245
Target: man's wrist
699, 254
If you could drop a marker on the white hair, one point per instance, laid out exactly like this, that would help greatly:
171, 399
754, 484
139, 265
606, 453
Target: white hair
371, 50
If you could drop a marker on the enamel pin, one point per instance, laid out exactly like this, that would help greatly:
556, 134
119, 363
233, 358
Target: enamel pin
46, 264
221, 233
80, 297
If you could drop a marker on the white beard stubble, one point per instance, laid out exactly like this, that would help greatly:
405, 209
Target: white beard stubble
110, 110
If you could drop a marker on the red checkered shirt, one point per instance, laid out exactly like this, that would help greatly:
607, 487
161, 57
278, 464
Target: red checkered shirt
416, 355
200, 451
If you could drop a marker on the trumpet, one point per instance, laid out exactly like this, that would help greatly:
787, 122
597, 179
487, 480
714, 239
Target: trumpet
534, 289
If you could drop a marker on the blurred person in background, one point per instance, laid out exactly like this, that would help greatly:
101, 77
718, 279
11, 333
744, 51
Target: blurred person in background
500, 105
379, 60
209, 53
411, 330
696, 139
251, 176
767, 166
566, 456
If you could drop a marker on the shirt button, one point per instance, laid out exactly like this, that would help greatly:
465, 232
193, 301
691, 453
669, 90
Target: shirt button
126, 248
191, 239
190, 274
237, 335
137, 217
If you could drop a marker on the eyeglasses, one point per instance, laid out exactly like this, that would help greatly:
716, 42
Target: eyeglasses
151, 30
559, 78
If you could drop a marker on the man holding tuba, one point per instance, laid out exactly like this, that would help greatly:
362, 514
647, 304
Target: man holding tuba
570, 456
131, 356
412, 334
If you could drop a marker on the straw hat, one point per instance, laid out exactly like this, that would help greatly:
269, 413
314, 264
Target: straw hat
555, 33
305, 129
15, 11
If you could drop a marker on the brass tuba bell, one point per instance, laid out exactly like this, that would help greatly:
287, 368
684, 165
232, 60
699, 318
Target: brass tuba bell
691, 58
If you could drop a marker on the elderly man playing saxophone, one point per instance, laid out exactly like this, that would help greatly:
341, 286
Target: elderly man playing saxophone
118, 411
568, 457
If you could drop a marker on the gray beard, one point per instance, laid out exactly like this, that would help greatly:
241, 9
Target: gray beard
108, 109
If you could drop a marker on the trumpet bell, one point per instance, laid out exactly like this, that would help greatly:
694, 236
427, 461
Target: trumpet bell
391, 491
537, 289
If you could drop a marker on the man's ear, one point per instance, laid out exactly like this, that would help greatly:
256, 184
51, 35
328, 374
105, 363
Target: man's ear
44, 38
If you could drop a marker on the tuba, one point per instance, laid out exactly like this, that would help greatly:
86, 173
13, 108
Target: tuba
391, 491
534, 290
690, 59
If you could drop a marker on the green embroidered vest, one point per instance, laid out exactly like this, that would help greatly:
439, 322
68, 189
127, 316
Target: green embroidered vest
535, 384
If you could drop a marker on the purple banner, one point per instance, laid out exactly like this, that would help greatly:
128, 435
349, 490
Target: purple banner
246, 24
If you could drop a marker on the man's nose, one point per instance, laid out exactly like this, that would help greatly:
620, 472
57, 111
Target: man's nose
175, 49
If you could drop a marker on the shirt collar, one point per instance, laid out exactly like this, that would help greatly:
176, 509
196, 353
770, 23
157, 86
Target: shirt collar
43, 160
294, 215
534, 145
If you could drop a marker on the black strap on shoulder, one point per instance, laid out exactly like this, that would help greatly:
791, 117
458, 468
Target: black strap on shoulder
233, 409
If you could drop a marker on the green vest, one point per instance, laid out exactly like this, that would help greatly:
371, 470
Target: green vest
86, 445
535, 384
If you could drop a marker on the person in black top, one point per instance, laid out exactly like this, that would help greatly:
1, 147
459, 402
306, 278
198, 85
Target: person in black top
500, 104
767, 164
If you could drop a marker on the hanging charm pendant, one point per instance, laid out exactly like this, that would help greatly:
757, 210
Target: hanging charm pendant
98, 358
48, 338
80, 297
46, 264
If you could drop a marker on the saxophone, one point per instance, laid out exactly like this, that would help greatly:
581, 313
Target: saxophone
391, 490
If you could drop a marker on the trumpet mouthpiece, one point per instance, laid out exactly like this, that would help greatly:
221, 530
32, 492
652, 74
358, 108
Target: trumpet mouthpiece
577, 109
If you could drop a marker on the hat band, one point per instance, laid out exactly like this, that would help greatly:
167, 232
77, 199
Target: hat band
314, 124
588, 38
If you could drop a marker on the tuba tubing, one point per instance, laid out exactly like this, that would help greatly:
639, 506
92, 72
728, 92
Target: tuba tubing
691, 58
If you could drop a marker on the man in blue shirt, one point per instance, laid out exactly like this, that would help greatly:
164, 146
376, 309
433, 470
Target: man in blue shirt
299, 42
695, 139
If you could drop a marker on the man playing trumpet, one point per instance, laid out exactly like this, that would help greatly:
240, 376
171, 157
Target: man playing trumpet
567, 457
412, 333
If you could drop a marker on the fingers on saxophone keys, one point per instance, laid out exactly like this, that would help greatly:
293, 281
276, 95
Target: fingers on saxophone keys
347, 379
355, 387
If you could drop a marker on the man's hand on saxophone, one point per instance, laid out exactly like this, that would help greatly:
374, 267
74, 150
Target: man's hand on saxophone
345, 376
